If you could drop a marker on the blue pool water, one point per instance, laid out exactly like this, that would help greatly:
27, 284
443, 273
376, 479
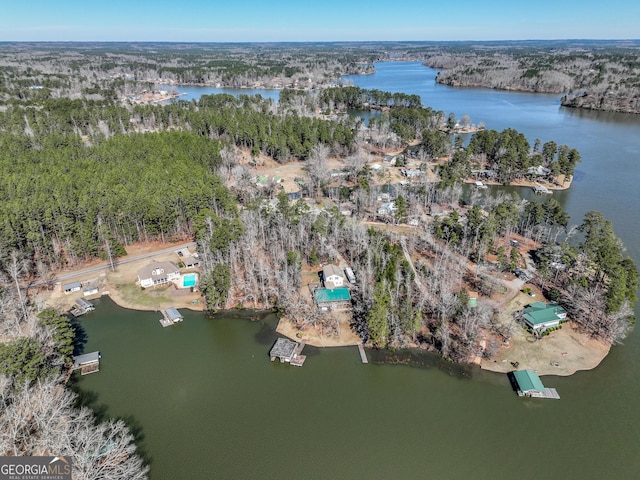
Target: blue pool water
189, 280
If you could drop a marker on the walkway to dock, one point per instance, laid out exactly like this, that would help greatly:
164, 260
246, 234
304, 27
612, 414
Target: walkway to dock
298, 359
363, 354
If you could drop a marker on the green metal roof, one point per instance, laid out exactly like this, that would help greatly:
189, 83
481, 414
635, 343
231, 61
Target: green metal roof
340, 294
540, 312
528, 380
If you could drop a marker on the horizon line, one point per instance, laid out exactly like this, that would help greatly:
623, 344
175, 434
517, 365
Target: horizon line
332, 41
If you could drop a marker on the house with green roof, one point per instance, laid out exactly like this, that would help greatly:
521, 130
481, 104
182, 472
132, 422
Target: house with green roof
541, 316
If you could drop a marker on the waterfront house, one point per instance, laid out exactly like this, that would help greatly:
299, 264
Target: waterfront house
540, 316
71, 287
158, 273
332, 276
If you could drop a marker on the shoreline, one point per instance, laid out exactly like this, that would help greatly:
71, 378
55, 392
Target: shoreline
563, 353
525, 184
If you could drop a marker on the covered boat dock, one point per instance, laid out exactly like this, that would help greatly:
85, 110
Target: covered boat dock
87, 363
528, 384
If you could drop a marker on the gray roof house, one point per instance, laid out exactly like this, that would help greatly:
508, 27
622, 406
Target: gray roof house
333, 276
158, 273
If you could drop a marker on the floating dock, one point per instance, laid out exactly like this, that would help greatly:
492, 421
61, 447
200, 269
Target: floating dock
363, 354
170, 316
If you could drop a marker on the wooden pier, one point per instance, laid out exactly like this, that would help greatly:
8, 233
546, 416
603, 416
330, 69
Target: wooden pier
363, 354
298, 359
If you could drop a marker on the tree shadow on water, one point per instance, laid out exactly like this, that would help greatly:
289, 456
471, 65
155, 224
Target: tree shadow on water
80, 335
90, 399
420, 359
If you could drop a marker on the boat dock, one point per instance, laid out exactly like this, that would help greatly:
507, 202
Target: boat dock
363, 354
81, 307
87, 363
527, 383
170, 316
288, 351
541, 190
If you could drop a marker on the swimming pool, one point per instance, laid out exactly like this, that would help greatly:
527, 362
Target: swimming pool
189, 280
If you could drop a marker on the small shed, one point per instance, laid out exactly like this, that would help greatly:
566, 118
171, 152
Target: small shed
71, 287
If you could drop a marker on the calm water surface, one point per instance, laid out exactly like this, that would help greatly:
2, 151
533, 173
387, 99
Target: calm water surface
210, 404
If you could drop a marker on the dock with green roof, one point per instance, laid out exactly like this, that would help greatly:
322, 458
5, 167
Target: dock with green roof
528, 384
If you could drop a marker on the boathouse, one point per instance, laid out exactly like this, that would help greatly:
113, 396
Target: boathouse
87, 363
81, 307
173, 314
540, 316
288, 351
170, 316
528, 384
85, 305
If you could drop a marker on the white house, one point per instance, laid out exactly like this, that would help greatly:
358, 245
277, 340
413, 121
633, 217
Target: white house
158, 273
387, 208
333, 277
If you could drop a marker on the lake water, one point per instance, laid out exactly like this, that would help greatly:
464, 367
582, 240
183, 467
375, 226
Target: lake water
210, 404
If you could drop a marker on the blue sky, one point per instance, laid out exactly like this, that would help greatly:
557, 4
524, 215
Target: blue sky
328, 20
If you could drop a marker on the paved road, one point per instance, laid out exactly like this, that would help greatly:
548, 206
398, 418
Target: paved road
120, 261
